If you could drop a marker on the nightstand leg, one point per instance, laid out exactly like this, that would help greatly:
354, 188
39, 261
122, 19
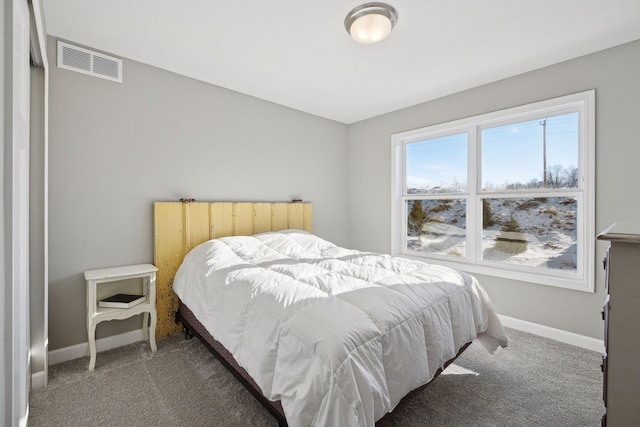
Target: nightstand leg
152, 333
91, 329
145, 326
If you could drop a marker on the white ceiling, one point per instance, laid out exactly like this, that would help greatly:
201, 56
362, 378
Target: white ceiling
297, 52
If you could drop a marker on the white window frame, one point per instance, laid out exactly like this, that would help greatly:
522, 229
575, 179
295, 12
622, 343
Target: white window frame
583, 278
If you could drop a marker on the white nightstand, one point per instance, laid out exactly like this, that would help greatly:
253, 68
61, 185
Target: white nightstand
97, 314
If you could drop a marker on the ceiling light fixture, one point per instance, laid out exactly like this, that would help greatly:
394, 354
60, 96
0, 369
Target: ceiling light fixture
371, 22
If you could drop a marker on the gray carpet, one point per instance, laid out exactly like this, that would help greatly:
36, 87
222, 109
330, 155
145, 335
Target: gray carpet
534, 382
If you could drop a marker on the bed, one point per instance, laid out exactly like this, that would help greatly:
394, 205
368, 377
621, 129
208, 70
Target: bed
322, 335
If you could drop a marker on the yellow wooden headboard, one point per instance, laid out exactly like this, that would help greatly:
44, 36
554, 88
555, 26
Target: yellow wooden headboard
179, 226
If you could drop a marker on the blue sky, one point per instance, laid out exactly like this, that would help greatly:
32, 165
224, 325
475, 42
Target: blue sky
510, 154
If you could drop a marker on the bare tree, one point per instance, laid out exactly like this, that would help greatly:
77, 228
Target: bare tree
572, 176
555, 176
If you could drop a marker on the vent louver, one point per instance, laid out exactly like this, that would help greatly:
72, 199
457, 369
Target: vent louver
88, 62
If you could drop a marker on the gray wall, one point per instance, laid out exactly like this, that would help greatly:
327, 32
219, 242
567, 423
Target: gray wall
117, 148
614, 73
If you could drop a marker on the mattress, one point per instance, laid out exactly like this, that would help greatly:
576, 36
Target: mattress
337, 335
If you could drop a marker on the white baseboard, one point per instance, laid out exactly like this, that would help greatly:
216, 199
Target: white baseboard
571, 338
38, 380
80, 350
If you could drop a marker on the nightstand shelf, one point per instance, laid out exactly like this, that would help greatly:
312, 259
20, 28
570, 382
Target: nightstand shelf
95, 314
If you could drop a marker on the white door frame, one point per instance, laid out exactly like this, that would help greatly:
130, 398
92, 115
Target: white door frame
39, 273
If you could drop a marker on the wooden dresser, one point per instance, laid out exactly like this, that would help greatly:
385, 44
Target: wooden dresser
621, 314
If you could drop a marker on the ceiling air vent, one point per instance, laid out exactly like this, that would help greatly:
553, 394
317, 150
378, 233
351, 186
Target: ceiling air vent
88, 62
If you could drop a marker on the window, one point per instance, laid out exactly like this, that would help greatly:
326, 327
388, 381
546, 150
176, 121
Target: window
508, 194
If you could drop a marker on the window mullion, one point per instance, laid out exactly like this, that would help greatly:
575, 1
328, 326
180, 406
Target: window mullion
473, 230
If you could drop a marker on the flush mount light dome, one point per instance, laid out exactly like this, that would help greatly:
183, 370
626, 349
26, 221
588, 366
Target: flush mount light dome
371, 22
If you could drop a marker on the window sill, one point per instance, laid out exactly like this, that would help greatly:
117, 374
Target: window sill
562, 280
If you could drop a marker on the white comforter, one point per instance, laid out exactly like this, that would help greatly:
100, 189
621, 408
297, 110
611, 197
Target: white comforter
339, 336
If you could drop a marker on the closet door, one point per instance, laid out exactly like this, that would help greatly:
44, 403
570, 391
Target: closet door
18, 259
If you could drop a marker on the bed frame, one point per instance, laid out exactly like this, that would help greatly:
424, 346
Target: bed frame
192, 327
180, 226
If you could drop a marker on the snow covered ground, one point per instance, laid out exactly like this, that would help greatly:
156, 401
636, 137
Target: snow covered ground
544, 236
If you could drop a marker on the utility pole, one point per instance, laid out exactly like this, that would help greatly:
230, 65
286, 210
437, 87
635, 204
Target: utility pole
543, 123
